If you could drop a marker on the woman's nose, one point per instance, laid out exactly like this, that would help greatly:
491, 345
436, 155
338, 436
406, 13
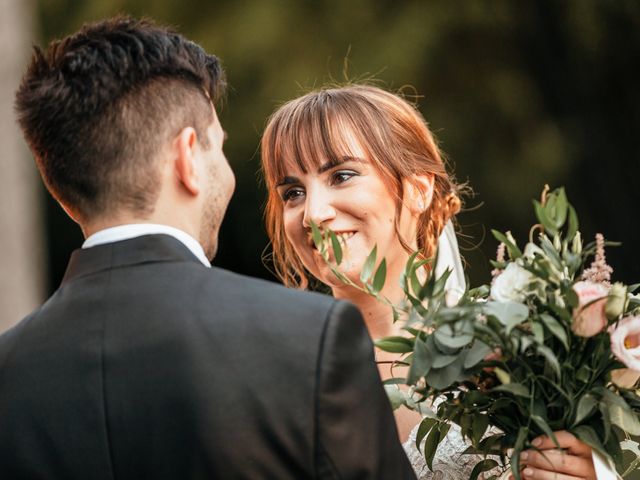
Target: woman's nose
318, 209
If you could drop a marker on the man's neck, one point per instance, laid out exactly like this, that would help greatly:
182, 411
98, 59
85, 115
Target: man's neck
98, 225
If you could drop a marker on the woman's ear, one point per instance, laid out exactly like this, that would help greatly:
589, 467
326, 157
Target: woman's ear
419, 193
185, 145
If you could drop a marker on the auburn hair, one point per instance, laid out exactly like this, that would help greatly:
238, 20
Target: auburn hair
309, 131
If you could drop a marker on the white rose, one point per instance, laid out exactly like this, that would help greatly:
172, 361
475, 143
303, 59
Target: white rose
512, 284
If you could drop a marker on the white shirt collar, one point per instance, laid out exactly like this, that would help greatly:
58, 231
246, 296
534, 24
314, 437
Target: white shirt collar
125, 232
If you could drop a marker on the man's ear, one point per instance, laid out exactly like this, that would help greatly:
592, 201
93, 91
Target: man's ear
419, 193
185, 145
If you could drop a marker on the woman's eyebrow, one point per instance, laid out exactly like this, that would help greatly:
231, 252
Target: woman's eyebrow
288, 181
334, 163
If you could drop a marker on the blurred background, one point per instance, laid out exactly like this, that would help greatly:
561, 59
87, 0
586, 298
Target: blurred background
519, 94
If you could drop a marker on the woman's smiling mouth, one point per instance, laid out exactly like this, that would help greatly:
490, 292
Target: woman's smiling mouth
343, 237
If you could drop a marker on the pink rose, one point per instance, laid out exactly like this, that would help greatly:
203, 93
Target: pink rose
625, 342
589, 317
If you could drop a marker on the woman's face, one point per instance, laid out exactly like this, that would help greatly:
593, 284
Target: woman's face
351, 199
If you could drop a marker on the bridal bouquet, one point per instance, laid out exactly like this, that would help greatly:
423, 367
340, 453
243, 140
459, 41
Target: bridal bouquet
551, 344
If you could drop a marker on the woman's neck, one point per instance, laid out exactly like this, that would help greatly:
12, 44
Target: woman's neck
378, 316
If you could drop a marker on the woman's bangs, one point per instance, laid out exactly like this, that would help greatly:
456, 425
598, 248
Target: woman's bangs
312, 136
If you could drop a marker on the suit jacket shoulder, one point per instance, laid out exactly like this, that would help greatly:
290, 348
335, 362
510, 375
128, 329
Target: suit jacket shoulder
146, 364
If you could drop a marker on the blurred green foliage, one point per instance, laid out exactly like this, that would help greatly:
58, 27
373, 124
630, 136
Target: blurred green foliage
518, 93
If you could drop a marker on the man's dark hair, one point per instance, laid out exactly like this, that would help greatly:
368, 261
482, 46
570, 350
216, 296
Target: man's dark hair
98, 106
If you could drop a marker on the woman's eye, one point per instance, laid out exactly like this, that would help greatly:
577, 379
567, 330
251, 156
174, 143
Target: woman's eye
292, 194
342, 176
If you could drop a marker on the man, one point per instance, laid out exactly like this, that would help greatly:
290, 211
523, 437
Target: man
146, 363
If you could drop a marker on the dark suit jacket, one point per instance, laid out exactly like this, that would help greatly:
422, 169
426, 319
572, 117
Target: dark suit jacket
147, 365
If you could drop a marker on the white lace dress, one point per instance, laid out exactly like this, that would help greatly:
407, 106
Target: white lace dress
449, 462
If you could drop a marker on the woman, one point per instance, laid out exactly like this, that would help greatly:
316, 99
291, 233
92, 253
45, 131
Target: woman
362, 162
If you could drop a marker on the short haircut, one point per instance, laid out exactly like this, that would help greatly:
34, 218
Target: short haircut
396, 139
98, 106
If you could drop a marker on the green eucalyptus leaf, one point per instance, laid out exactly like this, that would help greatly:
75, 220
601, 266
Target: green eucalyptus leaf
439, 283
416, 286
586, 406
516, 389
425, 427
476, 354
606, 421
395, 344
509, 314
589, 436
396, 314
632, 288
625, 418
421, 363
369, 264
551, 252
561, 205
316, 235
479, 428
573, 224
525, 342
380, 276
584, 373
482, 466
551, 358
571, 298
441, 378
499, 265
574, 262
431, 445
447, 336
337, 249
504, 377
517, 449
395, 395
395, 381
541, 214
556, 329
544, 426
538, 332
441, 361
465, 424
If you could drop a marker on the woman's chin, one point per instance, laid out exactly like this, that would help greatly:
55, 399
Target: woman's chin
330, 279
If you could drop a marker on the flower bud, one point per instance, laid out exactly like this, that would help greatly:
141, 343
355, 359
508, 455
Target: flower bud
589, 317
617, 301
576, 245
556, 242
